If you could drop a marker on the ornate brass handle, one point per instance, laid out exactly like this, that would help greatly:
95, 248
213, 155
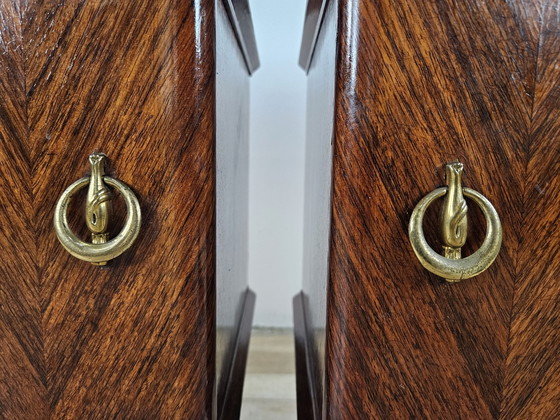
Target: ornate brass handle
98, 213
454, 231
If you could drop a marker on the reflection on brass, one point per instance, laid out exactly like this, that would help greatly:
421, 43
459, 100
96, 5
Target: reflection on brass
454, 213
98, 214
454, 230
99, 206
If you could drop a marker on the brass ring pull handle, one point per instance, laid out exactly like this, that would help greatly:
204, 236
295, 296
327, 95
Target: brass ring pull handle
450, 265
98, 213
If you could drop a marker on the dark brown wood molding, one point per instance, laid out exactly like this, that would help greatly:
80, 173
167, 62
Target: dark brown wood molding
242, 23
313, 20
307, 406
231, 405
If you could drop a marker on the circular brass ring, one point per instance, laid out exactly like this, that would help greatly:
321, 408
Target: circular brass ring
464, 268
96, 253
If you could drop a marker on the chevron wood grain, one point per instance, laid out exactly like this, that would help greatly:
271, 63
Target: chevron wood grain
135, 80
420, 84
532, 375
21, 352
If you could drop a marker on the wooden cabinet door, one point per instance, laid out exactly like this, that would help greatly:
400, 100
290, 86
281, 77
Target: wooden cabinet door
400, 88
137, 81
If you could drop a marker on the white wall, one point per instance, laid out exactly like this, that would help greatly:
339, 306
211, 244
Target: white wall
277, 145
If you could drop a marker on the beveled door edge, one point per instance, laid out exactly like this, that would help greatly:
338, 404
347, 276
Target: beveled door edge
239, 14
311, 28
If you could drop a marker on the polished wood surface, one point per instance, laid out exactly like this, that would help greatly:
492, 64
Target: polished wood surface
233, 300
308, 405
135, 80
318, 157
532, 369
236, 57
240, 15
420, 84
314, 16
230, 403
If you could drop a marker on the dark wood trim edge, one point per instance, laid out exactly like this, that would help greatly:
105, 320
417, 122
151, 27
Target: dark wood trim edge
240, 17
307, 407
311, 28
231, 406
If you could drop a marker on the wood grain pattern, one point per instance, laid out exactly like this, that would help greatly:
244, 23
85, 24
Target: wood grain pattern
136, 81
420, 84
21, 352
532, 375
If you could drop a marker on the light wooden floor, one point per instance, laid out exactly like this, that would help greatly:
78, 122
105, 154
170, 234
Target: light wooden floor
270, 383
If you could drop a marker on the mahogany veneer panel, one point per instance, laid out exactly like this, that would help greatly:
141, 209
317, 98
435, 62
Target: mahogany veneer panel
532, 372
420, 84
137, 81
134, 80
